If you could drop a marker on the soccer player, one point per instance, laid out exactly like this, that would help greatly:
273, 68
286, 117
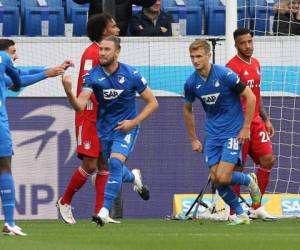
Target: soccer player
88, 146
259, 146
33, 75
115, 86
219, 90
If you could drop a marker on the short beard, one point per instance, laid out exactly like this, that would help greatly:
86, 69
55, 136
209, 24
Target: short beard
106, 64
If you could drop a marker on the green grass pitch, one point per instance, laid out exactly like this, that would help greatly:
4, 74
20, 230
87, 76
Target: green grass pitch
155, 234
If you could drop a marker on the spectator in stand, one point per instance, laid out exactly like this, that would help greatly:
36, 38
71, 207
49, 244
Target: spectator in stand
123, 10
287, 18
151, 21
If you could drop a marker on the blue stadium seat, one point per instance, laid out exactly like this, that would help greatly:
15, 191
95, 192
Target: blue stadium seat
261, 12
192, 14
9, 16
172, 3
136, 9
32, 16
215, 16
77, 14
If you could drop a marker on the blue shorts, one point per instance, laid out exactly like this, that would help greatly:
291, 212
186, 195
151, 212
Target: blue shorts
226, 150
119, 142
5, 141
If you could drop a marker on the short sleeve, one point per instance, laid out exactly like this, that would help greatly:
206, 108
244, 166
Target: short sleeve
189, 95
87, 83
230, 78
140, 83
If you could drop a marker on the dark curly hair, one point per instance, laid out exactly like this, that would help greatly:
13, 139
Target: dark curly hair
96, 26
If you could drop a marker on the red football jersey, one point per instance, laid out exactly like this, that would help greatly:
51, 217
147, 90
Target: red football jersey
249, 74
89, 59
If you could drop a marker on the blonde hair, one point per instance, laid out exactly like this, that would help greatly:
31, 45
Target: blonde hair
283, 6
200, 43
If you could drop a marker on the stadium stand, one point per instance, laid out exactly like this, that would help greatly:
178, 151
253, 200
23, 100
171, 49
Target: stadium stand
191, 10
36, 17
9, 18
77, 15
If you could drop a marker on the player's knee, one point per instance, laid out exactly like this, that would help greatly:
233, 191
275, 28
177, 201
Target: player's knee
267, 162
222, 178
89, 164
115, 166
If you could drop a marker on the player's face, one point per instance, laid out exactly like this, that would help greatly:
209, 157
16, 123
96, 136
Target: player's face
111, 29
12, 51
108, 53
244, 45
200, 58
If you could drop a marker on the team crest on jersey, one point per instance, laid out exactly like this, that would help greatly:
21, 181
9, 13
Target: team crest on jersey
110, 94
87, 145
210, 99
121, 79
217, 83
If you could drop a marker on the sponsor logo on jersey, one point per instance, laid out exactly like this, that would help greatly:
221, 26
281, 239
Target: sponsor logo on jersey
233, 153
198, 86
246, 73
112, 182
210, 99
124, 146
121, 79
110, 94
229, 73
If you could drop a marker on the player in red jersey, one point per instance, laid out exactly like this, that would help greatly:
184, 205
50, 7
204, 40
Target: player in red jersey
259, 147
88, 146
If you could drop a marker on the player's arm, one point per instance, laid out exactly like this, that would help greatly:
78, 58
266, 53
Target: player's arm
250, 100
151, 105
189, 120
78, 103
264, 116
12, 72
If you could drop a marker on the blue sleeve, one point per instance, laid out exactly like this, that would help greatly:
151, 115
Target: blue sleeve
87, 82
230, 78
26, 80
140, 83
31, 70
11, 70
189, 95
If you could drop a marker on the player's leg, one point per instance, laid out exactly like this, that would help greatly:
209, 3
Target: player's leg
262, 154
88, 151
7, 187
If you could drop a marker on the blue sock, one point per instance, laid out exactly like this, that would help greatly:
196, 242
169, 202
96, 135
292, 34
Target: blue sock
7, 192
230, 198
127, 175
114, 183
238, 178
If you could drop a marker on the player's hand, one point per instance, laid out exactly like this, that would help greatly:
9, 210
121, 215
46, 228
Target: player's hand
67, 83
55, 71
126, 125
244, 135
163, 29
270, 128
67, 63
197, 146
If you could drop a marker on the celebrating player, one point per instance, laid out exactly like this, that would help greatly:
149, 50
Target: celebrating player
259, 146
219, 90
88, 146
14, 79
115, 85
33, 75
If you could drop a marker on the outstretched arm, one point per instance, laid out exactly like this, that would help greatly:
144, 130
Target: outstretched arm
189, 120
151, 106
78, 103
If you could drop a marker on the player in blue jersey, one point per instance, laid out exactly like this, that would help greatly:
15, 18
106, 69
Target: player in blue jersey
219, 90
13, 78
115, 86
32, 75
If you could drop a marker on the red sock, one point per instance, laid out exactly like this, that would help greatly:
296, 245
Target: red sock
237, 190
263, 176
100, 183
77, 180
